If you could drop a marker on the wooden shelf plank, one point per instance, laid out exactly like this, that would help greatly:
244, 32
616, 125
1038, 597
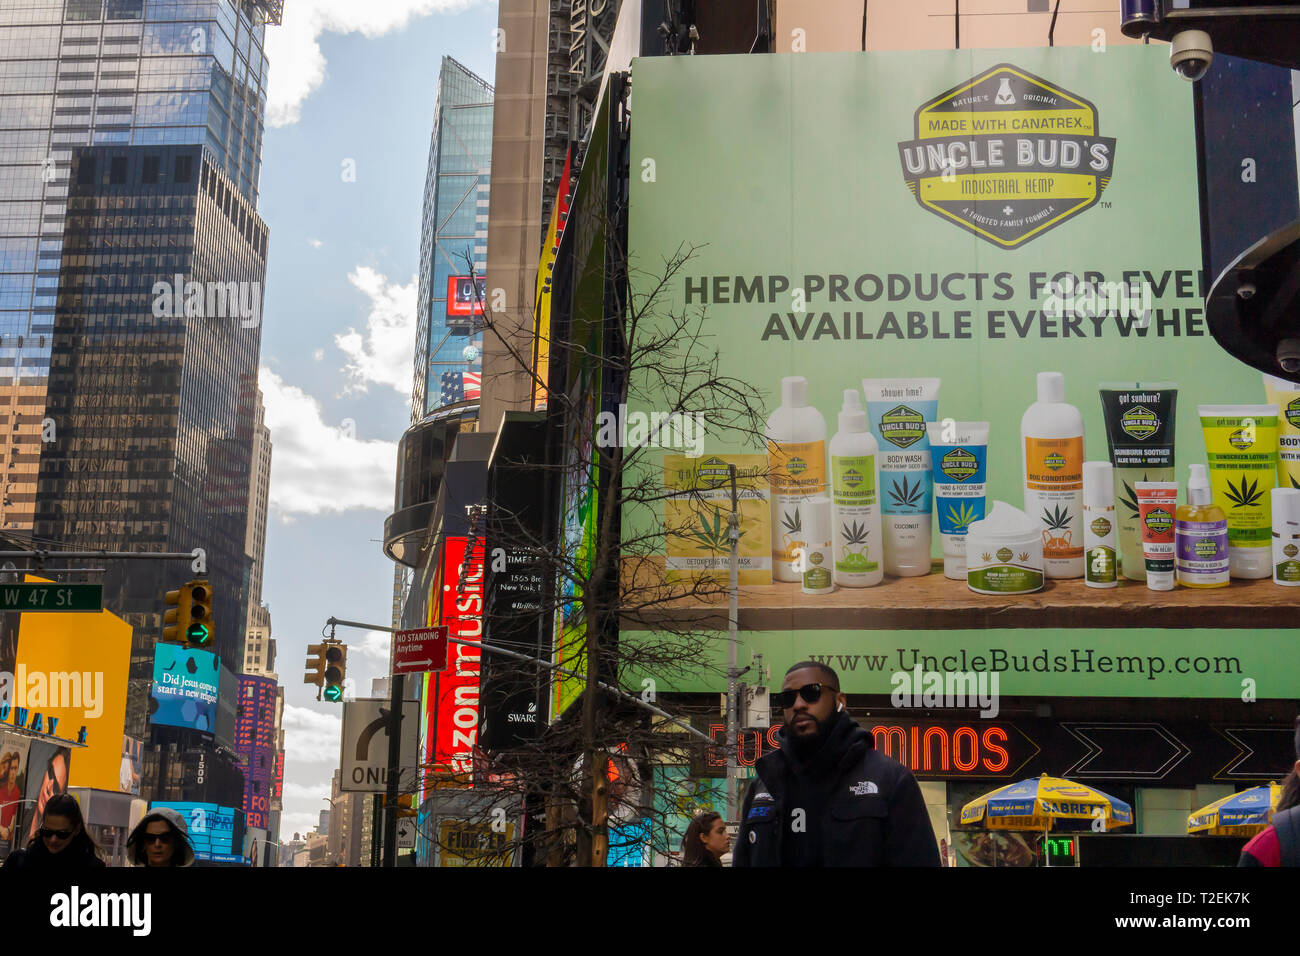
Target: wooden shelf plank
934, 602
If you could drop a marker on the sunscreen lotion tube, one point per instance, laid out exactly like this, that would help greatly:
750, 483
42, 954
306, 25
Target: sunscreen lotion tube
1241, 450
1139, 419
898, 410
959, 460
1157, 503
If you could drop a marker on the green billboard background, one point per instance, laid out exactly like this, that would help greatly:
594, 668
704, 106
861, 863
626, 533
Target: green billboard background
790, 165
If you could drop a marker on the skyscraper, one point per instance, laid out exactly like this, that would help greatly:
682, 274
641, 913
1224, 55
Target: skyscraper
76, 73
153, 385
456, 190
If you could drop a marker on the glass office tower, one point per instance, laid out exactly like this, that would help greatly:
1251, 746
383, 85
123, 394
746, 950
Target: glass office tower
77, 73
454, 228
153, 386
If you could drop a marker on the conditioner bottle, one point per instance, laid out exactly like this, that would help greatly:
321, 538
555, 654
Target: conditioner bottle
1051, 437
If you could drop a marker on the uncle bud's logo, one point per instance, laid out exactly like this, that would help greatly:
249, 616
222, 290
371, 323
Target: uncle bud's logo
1007, 156
1140, 423
1055, 461
796, 466
1206, 548
1100, 527
902, 426
959, 464
713, 472
1293, 413
1159, 520
1004, 554
851, 478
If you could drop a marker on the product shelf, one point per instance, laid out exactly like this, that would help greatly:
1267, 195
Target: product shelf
934, 602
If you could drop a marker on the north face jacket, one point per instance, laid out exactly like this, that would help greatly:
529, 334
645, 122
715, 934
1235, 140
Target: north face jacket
869, 809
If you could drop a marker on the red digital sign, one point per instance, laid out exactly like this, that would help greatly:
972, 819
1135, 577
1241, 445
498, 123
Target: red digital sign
465, 295
928, 749
454, 703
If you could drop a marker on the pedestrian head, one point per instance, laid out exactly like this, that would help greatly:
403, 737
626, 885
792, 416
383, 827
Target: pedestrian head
1290, 796
63, 829
706, 840
160, 839
810, 697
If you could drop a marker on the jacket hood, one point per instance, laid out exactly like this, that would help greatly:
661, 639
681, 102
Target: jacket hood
177, 823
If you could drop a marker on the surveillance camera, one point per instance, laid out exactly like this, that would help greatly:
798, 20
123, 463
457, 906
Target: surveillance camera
1191, 53
1288, 355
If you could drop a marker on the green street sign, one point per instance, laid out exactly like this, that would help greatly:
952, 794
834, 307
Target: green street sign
52, 597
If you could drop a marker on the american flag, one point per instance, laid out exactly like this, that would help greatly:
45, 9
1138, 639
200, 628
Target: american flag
460, 386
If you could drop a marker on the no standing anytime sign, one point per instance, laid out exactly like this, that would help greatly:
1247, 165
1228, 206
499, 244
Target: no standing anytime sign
420, 649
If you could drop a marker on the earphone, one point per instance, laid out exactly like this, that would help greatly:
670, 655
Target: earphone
839, 708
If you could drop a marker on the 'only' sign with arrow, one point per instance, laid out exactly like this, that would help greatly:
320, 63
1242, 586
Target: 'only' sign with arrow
367, 724
420, 649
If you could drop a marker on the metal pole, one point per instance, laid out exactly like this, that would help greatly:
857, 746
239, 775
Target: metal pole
374, 832
397, 686
733, 764
492, 649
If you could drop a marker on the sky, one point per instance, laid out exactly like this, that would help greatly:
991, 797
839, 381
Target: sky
350, 113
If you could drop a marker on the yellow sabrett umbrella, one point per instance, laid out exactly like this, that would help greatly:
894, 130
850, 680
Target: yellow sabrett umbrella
1241, 814
1034, 804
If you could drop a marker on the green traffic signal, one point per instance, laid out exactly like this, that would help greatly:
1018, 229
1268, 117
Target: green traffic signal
198, 634
334, 693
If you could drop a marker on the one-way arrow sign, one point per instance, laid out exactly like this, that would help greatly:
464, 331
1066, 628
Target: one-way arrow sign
363, 763
420, 649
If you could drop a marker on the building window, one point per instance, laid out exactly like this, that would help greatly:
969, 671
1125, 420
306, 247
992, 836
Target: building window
117, 171
184, 168
151, 167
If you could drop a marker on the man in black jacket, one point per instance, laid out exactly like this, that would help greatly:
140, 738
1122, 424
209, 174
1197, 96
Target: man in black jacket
828, 797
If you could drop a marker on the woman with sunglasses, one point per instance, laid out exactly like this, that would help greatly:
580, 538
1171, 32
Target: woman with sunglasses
160, 839
61, 843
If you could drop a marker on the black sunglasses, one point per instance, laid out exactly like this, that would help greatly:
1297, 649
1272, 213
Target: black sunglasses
158, 837
46, 832
809, 692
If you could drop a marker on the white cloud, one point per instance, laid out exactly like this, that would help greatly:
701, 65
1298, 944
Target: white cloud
315, 243
318, 355
374, 645
385, 354
298, 791
310, 737
293, 48
318, 467
300, 822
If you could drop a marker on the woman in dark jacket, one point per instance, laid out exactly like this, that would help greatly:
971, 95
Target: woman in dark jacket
706, 840
61, 844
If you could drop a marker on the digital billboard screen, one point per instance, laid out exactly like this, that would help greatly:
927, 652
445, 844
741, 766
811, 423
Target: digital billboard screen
464, 300
185, 682
216, 833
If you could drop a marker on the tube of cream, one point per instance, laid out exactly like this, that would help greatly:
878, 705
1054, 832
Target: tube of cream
1241, 450
959, 457
1139, 420
898, 410
1157, 502
1286, 396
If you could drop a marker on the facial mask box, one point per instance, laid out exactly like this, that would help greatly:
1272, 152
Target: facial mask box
696, 510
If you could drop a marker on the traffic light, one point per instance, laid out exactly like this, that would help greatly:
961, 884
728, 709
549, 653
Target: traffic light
200, 629
315, 666
176, 619
336, 668
404, 807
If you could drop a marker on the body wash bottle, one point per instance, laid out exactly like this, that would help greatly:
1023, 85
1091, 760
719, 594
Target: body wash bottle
1200, 536
855, 486
1051, 436
796, 462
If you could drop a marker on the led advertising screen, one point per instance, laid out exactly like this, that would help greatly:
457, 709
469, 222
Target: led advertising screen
185, 683
464, 300
216, 832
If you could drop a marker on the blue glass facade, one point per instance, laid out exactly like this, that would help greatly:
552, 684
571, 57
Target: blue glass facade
77, 73
454, 228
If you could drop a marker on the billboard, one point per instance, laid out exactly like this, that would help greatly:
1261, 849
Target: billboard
216, 833
13, 784
454, 704
913, 215
72, 669
464, 301
185, 688
255, 745
49, 767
